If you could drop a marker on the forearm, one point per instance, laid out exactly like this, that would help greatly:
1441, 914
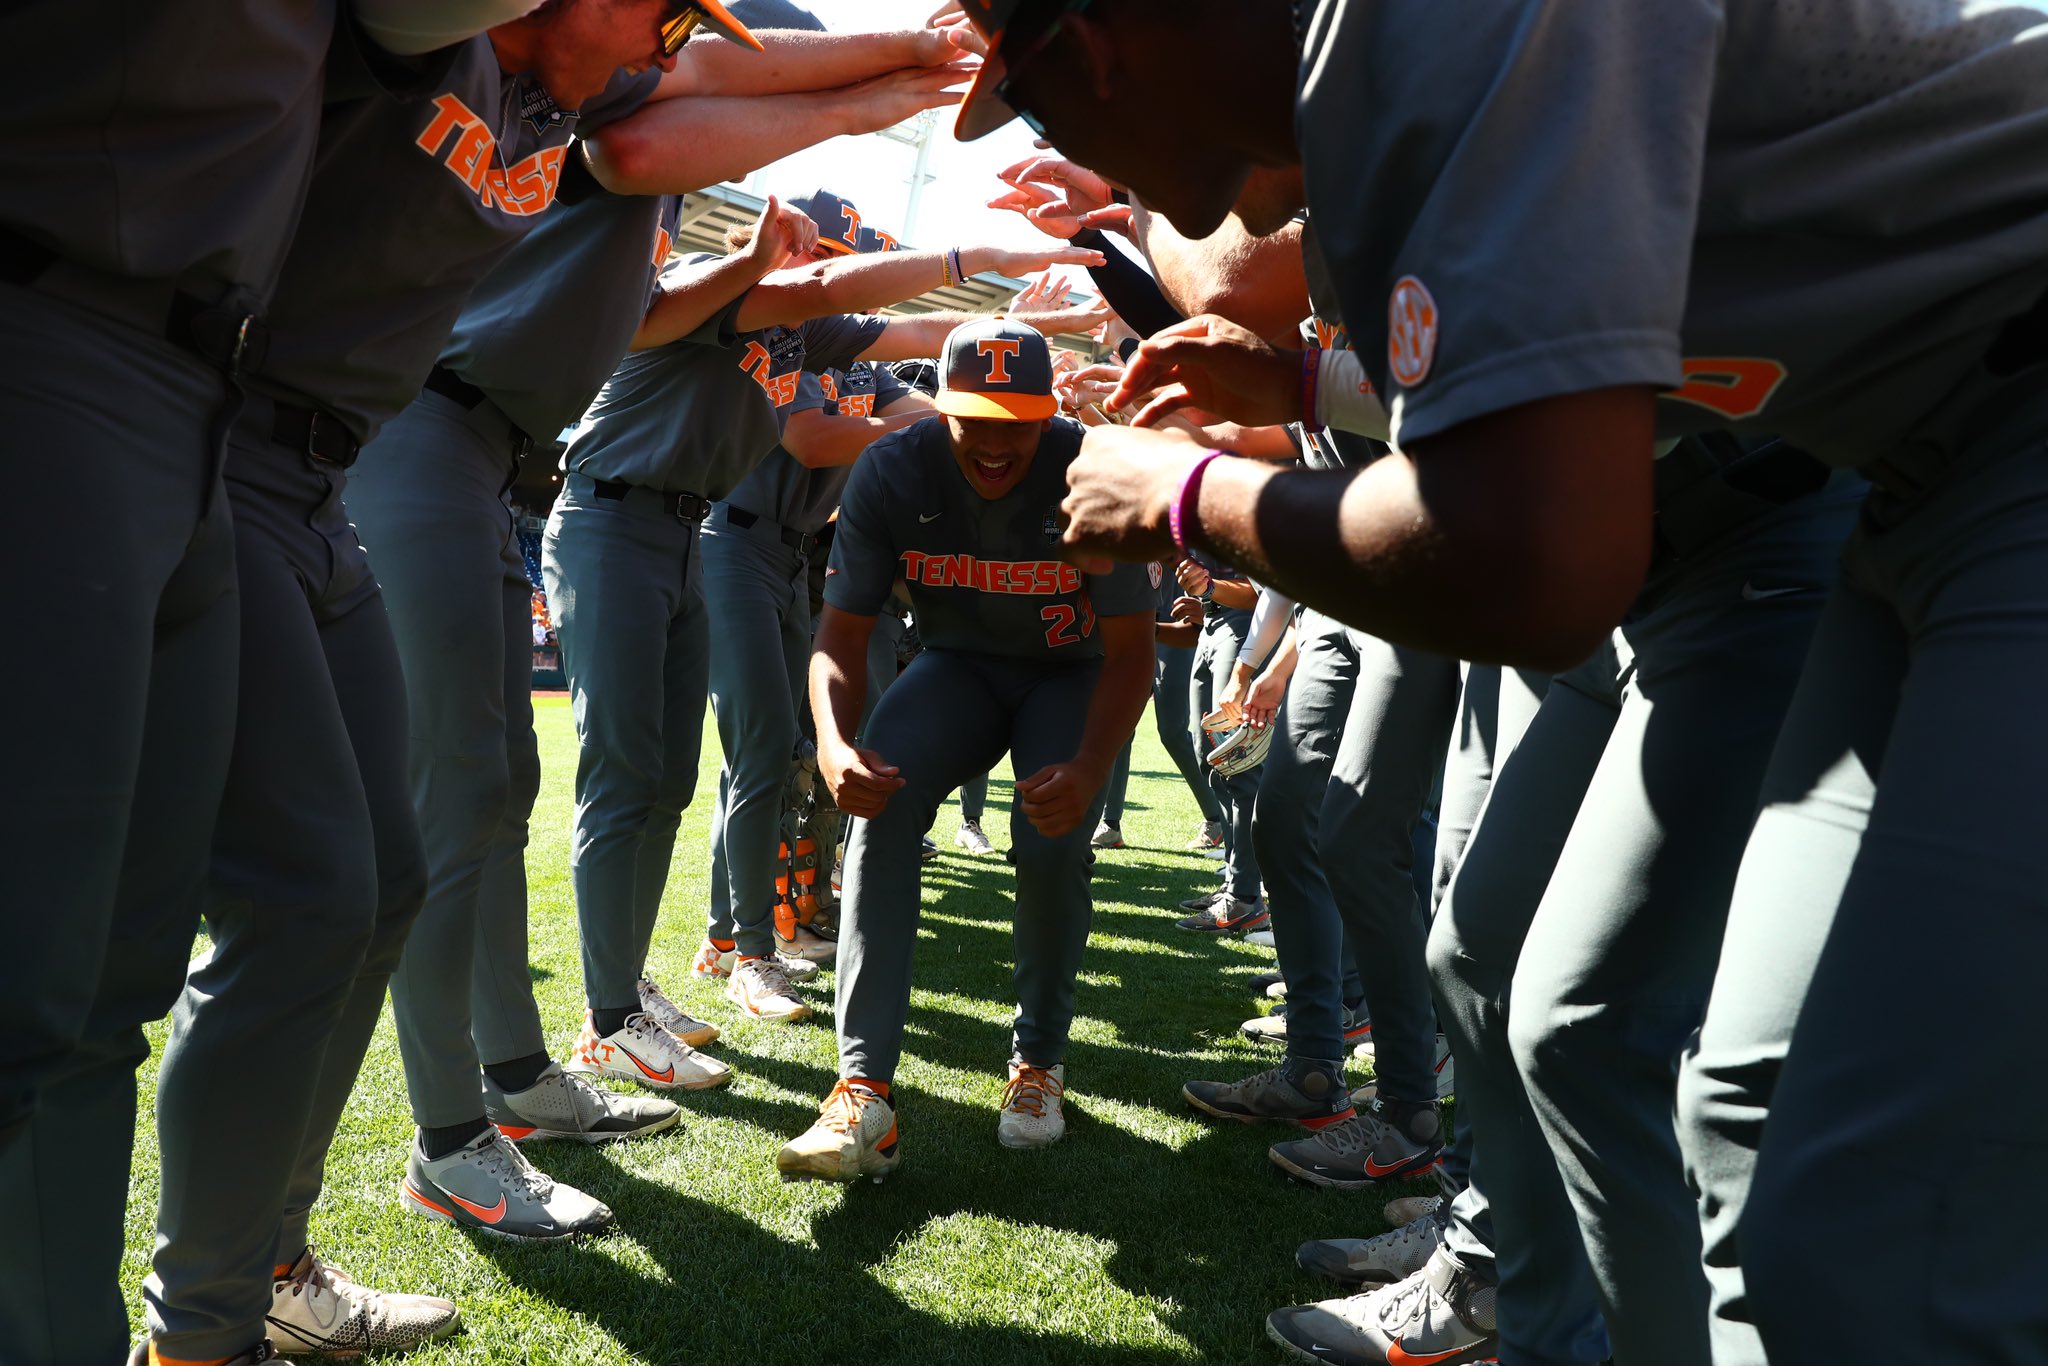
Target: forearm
1177, 634
819, 440
838, 685
1129, 290
675, 146
791, 60
1121, 692
686, 299
1233, 593
1271, 617
1280, 668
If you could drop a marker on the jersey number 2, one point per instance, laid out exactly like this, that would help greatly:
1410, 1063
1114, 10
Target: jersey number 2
1060, 622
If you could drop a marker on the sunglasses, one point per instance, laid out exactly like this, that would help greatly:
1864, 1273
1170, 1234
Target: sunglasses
676, 29
1012, 66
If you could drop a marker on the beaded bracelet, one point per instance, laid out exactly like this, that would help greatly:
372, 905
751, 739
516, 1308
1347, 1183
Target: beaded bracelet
1184, 517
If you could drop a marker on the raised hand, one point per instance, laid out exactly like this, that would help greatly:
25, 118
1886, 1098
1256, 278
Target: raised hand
1213, 364
888, 99
781, 234
1120, 494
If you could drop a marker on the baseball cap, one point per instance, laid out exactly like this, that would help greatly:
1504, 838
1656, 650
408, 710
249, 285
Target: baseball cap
690, 13
838, 221
996, 370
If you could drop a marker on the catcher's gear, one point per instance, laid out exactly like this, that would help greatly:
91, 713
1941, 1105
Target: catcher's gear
1241, 751
803, 920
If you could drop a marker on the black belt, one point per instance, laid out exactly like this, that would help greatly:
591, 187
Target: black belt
688, 507
319, 434
228, 337
1696, 507
796, 540
463, 394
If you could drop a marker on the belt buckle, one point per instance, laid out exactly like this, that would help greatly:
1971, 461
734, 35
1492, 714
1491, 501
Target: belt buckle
313, 435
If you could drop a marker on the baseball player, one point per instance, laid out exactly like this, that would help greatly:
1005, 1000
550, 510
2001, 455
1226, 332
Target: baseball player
533, 344
1239, 905
756, 546
1902, 341
1022, 653
690, 412
1358, 742
318, 868
134, 274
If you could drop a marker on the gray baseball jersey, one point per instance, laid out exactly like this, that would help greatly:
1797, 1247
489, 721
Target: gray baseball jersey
984, 575
546, 327
90, 169
413, 200
698, 414
781, 488
1805, 216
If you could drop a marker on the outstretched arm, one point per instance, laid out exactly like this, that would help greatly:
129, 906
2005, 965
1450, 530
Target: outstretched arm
687, 297
820, 437
862, 284
792, 61
674, 146
1520, 537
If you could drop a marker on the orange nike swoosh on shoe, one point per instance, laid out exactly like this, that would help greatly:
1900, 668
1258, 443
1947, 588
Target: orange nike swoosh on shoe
665, 1076
1397, 1355
1376, 1171
491, 1215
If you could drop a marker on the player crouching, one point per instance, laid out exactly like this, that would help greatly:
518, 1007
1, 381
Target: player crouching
1022, 653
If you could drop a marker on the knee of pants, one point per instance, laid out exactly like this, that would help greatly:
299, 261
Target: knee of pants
1453, 971
464, 800
401, 892
522, 776
1035, 855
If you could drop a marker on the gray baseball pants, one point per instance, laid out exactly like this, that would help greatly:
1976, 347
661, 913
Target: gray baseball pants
1222, 638
949, 717
125, 625
626, 589
317, 874
429, 499
757, 595
1897, 857
1575, 948
1360, 739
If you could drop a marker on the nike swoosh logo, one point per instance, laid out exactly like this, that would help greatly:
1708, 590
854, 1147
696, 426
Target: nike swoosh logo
492, 1215
667, 1075
1751, 593
1375, 1170
932, 518
1397, 1355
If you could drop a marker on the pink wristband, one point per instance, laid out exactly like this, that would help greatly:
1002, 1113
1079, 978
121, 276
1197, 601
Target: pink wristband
1311, 377
1184, 518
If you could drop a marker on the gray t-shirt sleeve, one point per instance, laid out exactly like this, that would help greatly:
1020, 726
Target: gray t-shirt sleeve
835, 342
1506, 197
862, 571
1125, 590
888, 390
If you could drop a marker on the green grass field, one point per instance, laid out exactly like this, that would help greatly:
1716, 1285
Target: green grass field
1147, 1235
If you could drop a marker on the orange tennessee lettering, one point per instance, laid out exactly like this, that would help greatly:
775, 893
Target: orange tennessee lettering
852, 223
888, 243
524, 189
662, 242
857, 405
998, 351
755, 362
1733, 386
1025, 578
453, 114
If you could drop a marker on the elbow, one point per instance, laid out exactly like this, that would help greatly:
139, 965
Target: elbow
622, 158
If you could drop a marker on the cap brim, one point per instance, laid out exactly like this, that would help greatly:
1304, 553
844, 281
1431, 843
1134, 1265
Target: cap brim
834, 244
996, 407
981, 113
721, 18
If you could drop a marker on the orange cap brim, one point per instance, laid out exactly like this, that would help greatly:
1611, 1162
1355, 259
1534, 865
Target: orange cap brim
981, 113
721, 18
996, 407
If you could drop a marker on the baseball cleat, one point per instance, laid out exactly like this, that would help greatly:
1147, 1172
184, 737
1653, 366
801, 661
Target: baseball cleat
1227, 915
1108, 836
1208, 835
561, 1106
1393, 1256
1299, 1091
970, 838
1034, 1114
1202, 902
643, 1051
488, 1185
800, 943
1271, 985
855, 1136
1409, 1208
760, 988
1260, 938
1440, 1316
1386, 1141
1446, 1070
801, 969
1272, 1027
320, 1310
714, 961
674, 1018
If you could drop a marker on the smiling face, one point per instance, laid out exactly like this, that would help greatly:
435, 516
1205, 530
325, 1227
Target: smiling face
993, 456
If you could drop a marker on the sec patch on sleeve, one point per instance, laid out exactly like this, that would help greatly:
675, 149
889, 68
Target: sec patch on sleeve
1411, 332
